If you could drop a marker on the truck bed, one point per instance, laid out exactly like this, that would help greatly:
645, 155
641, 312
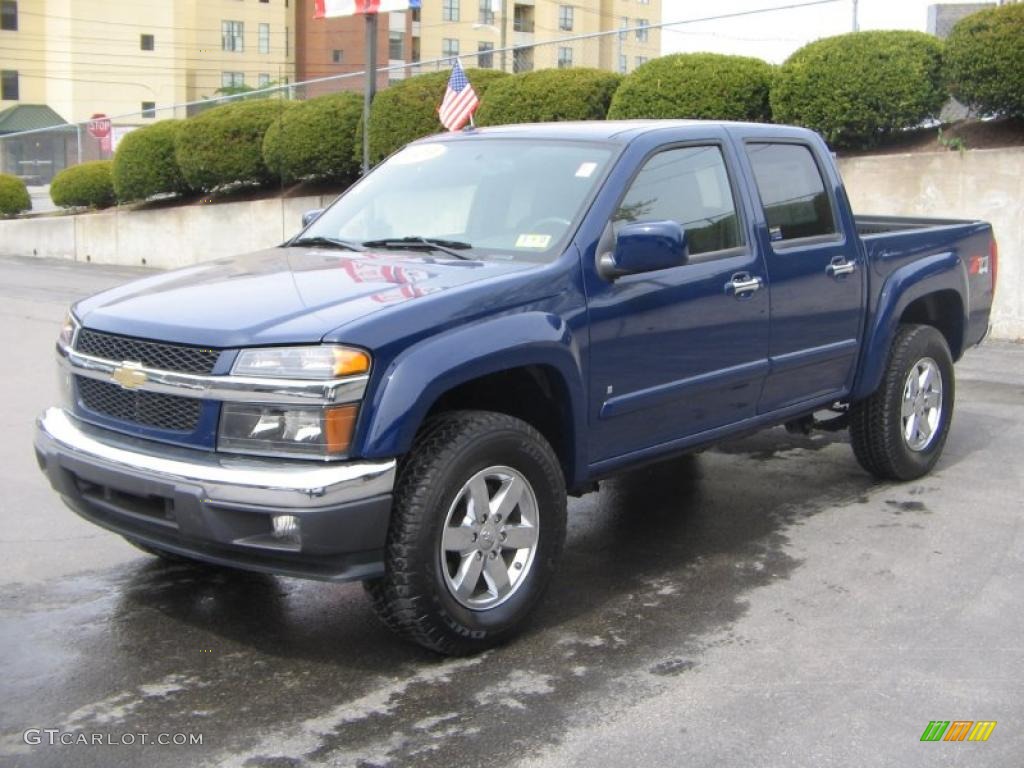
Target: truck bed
880, 225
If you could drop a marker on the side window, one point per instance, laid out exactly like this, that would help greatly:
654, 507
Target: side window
689, 185
792, 191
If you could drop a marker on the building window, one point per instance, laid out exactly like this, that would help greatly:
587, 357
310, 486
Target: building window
264, 79
9, 85
232, 36
337, 55
623, 25
449, 48
486, 13
232, 79
565, 17
264, 38
641, 30
287, 43
486, 59
9, 15
623, 63
415, 13
415, 49
641, 60
146, 42
449, 10
149, 109
264, 1
396, 45
522, 60
564, 58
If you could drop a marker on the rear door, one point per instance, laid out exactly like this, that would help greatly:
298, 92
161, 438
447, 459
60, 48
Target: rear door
815, 273
679, 351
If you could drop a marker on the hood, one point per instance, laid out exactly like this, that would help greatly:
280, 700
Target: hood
277, 296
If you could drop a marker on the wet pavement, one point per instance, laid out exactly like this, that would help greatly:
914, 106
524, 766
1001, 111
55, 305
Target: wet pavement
763, 603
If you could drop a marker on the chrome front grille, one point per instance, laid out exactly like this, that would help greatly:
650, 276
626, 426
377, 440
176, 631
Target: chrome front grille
151, 354
151, 409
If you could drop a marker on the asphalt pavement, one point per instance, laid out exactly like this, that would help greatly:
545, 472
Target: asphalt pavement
764, 603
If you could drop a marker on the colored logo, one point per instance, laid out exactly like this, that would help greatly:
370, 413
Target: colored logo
129, 375
958, 730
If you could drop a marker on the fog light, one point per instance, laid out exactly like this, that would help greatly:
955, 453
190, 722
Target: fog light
285, 527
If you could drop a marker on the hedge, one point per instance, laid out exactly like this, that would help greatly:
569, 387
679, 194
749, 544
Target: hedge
408, 109
696, 85
84, 185
316, 138
985, 60
856, 88
145, 163
224, 145
549, 95
13, 196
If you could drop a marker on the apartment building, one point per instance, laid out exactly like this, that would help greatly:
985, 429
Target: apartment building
337, 46
473, 28
115, 57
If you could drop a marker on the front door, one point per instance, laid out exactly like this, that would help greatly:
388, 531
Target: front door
815, 275
682, 350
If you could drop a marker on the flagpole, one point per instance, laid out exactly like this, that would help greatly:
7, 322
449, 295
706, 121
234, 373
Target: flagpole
371, 83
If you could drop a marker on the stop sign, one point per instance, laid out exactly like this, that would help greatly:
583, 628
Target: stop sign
99, 126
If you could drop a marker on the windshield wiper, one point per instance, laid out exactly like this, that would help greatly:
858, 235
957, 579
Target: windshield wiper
330, 242
451, 247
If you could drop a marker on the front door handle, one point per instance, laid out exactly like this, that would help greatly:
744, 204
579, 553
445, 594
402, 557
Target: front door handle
742, 285
840, 268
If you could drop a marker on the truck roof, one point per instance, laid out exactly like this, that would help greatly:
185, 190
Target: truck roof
621, 131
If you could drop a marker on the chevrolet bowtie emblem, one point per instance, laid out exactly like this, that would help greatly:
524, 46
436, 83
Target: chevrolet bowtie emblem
129, 375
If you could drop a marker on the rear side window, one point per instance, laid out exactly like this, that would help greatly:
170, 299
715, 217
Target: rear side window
689, 185
792, 191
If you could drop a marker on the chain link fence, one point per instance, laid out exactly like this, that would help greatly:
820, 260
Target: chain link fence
36, 156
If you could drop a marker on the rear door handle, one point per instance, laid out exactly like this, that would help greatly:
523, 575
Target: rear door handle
840, 268
742, 285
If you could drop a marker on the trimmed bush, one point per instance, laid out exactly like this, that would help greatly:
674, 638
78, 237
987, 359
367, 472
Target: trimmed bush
709, 86
856, 88
224, 145
985, 60
86, 185
145, 163
13, 196
549, 95
315, 139
408, 109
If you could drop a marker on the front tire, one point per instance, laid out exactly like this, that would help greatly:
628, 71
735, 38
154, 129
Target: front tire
477, 526
899, 432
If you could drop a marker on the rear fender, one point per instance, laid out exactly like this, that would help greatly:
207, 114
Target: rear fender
938, 272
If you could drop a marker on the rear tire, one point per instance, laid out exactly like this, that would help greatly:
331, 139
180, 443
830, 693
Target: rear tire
477, 526
898, 433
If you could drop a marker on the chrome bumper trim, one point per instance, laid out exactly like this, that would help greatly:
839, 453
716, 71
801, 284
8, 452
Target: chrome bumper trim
239, 389
222, 478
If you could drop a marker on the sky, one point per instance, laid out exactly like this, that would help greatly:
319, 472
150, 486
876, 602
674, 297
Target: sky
774, 35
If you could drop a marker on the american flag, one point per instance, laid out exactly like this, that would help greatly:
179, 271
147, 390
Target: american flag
328, 9
460, 100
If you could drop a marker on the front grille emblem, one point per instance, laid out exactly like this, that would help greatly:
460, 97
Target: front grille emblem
129, 375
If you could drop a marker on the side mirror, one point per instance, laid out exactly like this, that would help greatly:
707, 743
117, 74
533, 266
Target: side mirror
310, 216
645, 247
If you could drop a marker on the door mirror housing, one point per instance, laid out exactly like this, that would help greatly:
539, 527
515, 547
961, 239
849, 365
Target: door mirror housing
310, 216
645, 246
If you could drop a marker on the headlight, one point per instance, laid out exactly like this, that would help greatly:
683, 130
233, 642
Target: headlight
299, 432
312, 362
67, 331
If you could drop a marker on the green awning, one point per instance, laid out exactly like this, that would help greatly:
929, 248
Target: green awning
28, 117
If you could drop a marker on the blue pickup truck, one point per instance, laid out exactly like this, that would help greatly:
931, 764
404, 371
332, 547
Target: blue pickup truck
406, 391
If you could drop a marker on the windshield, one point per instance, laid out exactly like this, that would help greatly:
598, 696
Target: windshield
498, 197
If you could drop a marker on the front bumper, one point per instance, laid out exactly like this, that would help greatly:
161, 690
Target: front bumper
219, 508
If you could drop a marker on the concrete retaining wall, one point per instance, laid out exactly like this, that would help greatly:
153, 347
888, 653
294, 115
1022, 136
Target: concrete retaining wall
158, 237
978, 184
982, 184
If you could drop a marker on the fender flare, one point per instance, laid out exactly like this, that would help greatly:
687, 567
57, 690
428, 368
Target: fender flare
931, 274
418, 376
